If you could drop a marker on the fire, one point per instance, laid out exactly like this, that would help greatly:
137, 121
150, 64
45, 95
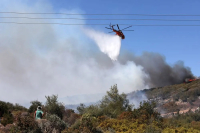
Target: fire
187, 80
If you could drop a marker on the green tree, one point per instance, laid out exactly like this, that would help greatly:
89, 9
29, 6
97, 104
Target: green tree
114, 103
53, 106
34, 105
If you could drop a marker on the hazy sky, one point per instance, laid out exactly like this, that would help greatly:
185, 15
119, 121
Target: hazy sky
41, 60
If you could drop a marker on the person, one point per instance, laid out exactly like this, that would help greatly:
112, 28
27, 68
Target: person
38, 113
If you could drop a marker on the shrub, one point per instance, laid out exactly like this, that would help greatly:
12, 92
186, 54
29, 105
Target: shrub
7, 119
126, 115
89, 121
87, 124
121, 126
56, 122
27, 123
70, 116
145, 113
14, 129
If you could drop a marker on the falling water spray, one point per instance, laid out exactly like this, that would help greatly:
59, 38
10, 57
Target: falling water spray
108, 44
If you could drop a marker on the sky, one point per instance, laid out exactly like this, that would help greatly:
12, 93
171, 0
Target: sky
40, 60
175, 43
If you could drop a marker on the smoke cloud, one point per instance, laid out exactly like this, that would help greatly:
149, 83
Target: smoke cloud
159, 72
136, 97
108, 44
41, 60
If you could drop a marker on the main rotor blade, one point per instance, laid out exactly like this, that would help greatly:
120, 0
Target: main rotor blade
127, 27
128, 30
107, 28
118, 27
111, 32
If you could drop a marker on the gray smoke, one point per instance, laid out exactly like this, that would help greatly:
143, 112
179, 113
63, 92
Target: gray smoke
160, 73
41, 60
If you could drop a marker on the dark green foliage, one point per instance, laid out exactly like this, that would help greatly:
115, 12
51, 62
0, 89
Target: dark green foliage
114, 103
10, 106
7, 119
3, 108
34, 105
146, 113
53, 106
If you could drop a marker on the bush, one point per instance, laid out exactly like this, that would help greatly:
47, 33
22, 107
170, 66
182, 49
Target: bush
70, 116
14, 129
7, 119
56, 122
121, 126
87, 124
89, 121
126, 115
146, 113
27, 123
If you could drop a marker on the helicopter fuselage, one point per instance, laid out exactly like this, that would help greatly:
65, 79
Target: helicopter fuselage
119, 33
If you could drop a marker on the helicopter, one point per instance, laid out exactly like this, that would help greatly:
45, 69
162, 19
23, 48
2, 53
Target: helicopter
118, 32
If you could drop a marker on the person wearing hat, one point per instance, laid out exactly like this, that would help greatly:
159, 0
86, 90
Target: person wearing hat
38, 113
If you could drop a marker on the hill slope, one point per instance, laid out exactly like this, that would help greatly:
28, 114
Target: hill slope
178, 98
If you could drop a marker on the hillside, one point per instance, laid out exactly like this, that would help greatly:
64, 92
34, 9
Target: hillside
178, 105
173, 99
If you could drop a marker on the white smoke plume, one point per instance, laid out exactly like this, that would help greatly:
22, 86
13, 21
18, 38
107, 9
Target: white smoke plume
41, 60
108, 44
